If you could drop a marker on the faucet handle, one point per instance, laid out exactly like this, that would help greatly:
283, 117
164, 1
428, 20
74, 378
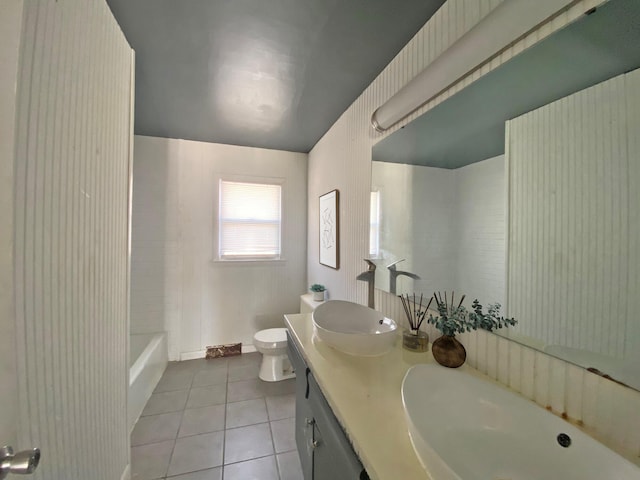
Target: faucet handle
372, 266
392, 266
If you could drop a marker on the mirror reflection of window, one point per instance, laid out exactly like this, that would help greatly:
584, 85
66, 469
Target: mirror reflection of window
374, 222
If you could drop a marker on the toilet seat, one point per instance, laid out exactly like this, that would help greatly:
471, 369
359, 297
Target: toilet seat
271, 338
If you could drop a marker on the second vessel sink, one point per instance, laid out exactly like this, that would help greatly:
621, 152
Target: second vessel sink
353, 328
466, 428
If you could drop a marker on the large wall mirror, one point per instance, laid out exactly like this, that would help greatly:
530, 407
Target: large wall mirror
524, 189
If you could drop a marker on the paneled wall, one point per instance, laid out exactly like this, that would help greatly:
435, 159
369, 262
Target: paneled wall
71, 238
571, 243
342, 159
176, 284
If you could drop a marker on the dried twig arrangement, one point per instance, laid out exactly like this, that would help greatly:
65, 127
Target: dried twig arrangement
415, 317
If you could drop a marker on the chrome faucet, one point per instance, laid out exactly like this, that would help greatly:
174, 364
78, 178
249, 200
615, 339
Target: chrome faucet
394, 274
370, 277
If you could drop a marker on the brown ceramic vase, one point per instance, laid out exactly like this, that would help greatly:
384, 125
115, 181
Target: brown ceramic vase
448, 351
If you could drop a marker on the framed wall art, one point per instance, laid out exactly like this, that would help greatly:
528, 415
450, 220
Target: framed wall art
329, 230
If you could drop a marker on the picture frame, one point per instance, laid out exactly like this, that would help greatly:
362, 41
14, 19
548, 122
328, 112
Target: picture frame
329, 231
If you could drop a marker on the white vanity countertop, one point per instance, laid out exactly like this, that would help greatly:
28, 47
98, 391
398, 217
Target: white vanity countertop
365, 396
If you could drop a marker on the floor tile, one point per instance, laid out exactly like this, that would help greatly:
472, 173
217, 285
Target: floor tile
243, 372
247, 443
284, 434
174, 380
248, 412
186, 365
289, 466
198, 452
246, 448
156, 428
245, 359
283, 387
206, 396
150, 461
166, 402
245, 390
214, 364
258, 469
213, 376
209, 474
281, 406
202, 420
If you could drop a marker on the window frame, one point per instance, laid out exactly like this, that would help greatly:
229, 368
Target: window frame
262, 180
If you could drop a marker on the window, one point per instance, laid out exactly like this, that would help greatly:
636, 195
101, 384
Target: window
249, 221
374, 225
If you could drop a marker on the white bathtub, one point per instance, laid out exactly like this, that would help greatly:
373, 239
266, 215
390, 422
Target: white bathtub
148, 360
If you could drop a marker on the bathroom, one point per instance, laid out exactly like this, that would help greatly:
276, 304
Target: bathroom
175, 278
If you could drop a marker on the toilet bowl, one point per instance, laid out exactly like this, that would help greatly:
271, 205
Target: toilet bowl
272, 344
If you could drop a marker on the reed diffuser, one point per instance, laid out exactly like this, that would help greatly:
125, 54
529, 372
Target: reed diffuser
415, 339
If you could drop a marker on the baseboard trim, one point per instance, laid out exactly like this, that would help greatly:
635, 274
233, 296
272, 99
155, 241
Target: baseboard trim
192, 355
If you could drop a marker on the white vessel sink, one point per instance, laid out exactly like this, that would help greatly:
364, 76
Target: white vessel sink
463, 427
353, 328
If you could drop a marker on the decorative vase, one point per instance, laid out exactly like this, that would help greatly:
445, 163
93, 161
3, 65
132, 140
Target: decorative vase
318, 296
448, 351
415, 340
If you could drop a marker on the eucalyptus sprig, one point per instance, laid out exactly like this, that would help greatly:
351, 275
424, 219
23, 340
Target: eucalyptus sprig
454, 319
492, 319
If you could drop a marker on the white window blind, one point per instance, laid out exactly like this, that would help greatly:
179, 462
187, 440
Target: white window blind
249, 220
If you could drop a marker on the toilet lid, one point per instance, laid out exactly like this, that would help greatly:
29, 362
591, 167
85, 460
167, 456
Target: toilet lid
272, 335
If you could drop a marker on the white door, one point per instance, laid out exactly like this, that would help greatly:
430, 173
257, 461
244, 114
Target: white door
10, 29
65, 136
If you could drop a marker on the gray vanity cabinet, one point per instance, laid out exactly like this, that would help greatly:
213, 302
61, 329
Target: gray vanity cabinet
324, 450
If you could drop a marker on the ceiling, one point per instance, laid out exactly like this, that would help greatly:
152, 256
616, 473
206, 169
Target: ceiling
262, 73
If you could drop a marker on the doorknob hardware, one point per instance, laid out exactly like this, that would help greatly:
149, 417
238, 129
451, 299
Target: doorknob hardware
21, 463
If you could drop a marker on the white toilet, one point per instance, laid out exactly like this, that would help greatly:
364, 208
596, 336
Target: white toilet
272, 344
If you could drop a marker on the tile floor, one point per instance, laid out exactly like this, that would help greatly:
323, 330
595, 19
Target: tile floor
214, 420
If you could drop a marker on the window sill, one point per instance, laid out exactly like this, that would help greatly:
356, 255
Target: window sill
249, 263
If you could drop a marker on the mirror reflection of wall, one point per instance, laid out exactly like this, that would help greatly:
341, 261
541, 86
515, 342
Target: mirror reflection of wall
574, 227
448, 225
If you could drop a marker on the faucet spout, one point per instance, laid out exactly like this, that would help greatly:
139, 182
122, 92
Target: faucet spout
369, 276
394, 273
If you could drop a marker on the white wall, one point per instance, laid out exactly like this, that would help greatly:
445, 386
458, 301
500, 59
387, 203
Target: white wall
175, 284
480, 231
448, 224
417, 205
342, 159
73, 135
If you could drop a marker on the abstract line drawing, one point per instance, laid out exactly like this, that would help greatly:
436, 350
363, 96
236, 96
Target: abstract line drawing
329, 229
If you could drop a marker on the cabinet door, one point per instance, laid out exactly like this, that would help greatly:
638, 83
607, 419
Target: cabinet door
333, 455
304, 415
